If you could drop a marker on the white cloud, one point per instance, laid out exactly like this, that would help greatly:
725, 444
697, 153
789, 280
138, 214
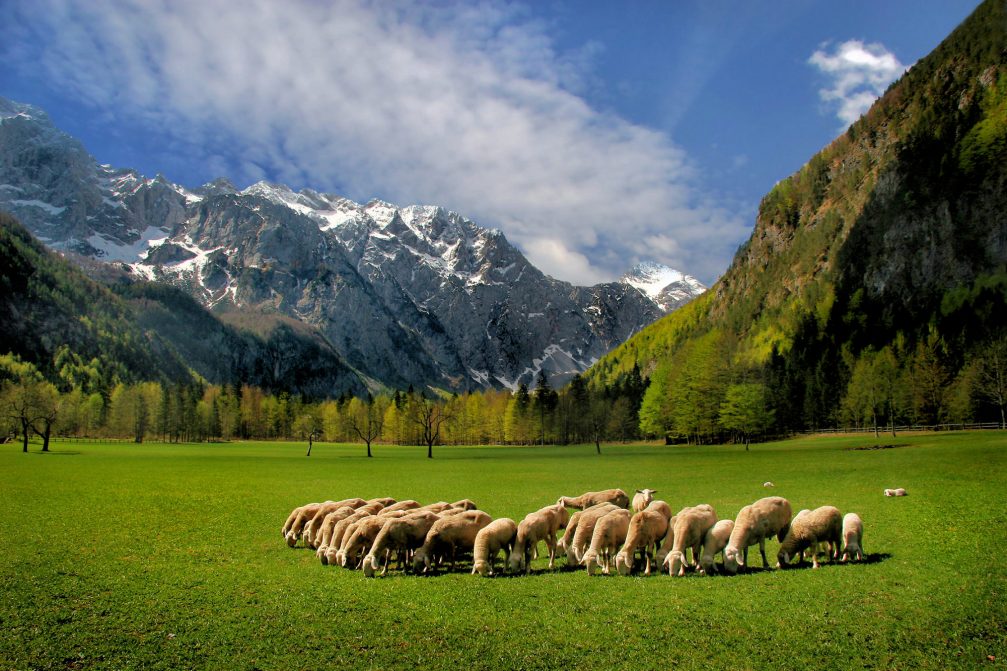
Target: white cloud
858, 74
469, 106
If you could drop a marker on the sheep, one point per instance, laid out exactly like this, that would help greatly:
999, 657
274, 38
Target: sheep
324, 534
465, 504
853, 537
384, 501
660, 506
312, 530
495, 536
821, 524
768, 484
339, 532
580, 537
714, 542
408, 504
294, 525
357, 542
755, 523
399, 534
642, 499
537, 526
609, 533
438, 507
646, 530
669, 542
588, 499
448, 535
895, 492
690, 530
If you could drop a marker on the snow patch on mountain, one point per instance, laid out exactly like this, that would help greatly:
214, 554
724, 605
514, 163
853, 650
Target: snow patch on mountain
667, 287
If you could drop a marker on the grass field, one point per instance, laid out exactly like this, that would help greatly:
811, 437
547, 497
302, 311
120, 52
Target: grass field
170, 557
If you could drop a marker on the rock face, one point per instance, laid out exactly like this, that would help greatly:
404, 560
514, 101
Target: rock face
407, 296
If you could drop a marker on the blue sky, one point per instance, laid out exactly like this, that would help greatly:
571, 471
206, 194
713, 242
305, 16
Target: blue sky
594, 134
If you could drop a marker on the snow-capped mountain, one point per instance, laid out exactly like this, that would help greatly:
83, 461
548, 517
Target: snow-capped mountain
669, 288
407, 295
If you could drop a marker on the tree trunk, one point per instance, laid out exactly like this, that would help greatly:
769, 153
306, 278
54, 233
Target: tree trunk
597, 445
368, 449
430, 450
309, 446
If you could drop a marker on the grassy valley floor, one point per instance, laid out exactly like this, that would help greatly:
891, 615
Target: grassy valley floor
120, 556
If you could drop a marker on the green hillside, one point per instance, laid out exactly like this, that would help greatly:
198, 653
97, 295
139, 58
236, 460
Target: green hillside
890, 242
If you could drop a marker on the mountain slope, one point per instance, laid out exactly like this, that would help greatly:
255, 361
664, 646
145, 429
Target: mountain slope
408, 296
865, 246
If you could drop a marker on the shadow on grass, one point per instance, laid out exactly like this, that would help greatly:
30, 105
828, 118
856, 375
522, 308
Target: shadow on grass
61, 453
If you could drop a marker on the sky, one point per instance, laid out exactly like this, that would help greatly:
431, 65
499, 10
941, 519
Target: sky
595, 135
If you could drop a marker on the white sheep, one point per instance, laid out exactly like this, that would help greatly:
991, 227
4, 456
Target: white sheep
294, 526
754, 524
807, 531
401, 535
358, 540
691, 526
715, 541
647, 529
324, 534
768, 484
588, 499
408, 504
339, 533
496, 536
465, 504
896, 492
383, 501
448, 537
577, 539
312, 529
853, 537
540, 525
609, 533
642, 499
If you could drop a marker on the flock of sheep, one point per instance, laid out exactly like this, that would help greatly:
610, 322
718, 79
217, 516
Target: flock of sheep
607, 529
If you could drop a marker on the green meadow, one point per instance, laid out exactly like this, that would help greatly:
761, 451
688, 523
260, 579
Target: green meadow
121, 556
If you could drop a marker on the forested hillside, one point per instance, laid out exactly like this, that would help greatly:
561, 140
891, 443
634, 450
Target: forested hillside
873, 288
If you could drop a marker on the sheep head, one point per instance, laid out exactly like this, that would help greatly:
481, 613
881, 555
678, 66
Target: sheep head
733, 558
624, 562
370, 565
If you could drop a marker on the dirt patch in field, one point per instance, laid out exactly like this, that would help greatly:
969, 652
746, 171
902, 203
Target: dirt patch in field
875, 447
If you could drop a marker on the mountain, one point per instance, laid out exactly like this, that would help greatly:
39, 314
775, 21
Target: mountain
405, 295
890, 242
669, 288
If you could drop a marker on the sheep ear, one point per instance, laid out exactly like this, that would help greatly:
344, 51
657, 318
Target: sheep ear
639, 491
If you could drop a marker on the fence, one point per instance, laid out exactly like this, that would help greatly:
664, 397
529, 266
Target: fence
956, 426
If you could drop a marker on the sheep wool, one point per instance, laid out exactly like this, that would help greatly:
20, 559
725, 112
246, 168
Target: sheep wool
647, 529
853, 537
496, 536
754, 524
609, 533
448, 536
588, 499
715, 541
691, 526
824, 524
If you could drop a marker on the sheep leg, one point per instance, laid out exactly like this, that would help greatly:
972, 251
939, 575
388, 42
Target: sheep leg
762, 551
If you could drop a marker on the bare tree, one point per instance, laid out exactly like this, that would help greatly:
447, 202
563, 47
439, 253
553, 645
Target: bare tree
366, 419
991, 380
428, 416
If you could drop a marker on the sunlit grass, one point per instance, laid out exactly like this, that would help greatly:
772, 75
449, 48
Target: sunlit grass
157, 556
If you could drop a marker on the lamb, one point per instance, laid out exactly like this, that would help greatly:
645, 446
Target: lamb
646, 530
580, 537
715, 541
495, 536
755, 523
896, 492
642, 499
399, 534
588, 499
448, 536
609, 533
690, 530
821, 524
537, 526
853, 537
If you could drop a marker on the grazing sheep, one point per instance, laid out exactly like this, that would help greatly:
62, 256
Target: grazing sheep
580, 537
312, 530
853, 537
331, 555
896, 492
821, 524
754, 524
588, 499
324, 534
465, 504
647, 529
715, 541
384, 501
768, 484
357, 542
669, 542
449, 536
438, 507
691, 526
609, 533
402, 535
540, 525
408, 504
660, 506
495, 536
294, 526
642, 499
293, 516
